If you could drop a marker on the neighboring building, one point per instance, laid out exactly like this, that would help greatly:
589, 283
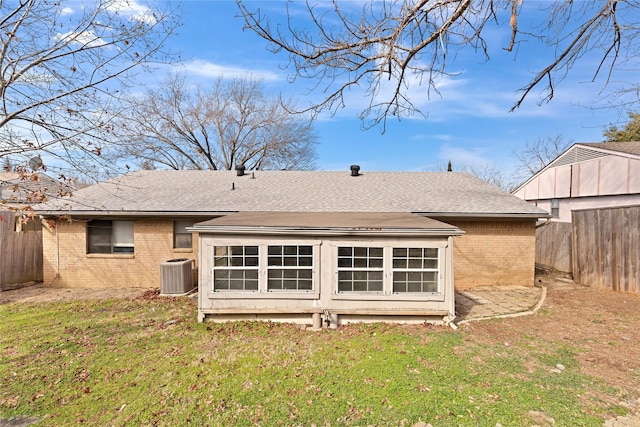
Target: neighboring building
20, 237
586, 176
26, 189
297, 244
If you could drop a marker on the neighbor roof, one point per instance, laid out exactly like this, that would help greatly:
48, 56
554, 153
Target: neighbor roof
629, 147
25, 188
344, 223
200, 193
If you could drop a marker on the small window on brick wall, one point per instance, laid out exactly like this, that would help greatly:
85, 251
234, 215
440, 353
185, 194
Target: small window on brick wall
181, 237
109, 237
555, 208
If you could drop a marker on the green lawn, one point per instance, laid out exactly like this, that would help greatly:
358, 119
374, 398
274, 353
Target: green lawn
148, 362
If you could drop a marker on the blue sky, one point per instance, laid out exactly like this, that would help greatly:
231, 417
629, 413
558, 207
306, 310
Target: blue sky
469, 124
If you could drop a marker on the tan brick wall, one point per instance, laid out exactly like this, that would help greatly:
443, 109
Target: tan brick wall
490, 253
71, 266
494, 253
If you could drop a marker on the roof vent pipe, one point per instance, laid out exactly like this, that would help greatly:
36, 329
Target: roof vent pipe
240, 170
355, 170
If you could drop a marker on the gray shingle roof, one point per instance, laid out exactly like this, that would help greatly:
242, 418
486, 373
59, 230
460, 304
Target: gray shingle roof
629, 147
24, 188
170, 192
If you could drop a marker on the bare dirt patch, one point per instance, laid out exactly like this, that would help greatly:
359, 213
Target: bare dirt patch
601, 324
40, 293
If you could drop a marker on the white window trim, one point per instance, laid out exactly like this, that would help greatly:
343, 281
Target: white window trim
284, 267
388, 294
263, 292
366, 269
437, 270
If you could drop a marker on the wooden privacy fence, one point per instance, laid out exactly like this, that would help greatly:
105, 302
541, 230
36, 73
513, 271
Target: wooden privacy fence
553, 246
606, 248
20, 253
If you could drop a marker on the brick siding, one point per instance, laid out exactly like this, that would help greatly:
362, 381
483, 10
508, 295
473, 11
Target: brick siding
494, 253
490, 253
71, 266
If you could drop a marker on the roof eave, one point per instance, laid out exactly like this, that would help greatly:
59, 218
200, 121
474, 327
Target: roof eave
323, 231
484, 215
137, 214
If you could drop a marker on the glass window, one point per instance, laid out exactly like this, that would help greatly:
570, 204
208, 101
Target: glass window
181, 237
415, 270
108, 237
235, 268
360, 269
555, 208
290, 268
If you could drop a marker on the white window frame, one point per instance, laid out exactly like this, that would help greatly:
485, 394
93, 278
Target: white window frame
263, 291
229, 268
415, 269
271, 269
388, 294
353, 269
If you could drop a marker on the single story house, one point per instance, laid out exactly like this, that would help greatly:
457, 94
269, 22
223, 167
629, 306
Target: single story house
297, 245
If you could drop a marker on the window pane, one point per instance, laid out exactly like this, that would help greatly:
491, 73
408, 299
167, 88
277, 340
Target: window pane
274, 250
306, 261
360, 286
399, 252
360, 252
181, 237
221, 250
375, 263
360, 263
344, 251
122, 233
290, 250
183, 241
251, 261
431, 252
251, 250
306, 250
415, 263
399, 263
430, 263
304, 274
305, 285
99, 237
375, 252
344, 262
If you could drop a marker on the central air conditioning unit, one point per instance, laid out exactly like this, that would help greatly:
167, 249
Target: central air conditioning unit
176, 276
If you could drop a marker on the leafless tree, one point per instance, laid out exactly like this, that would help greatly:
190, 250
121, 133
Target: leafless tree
393, 44
485, 171
63, 68
233, 123
536, 155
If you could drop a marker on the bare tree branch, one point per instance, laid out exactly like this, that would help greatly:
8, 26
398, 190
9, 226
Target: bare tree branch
63, 71
233, 123
392, 46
